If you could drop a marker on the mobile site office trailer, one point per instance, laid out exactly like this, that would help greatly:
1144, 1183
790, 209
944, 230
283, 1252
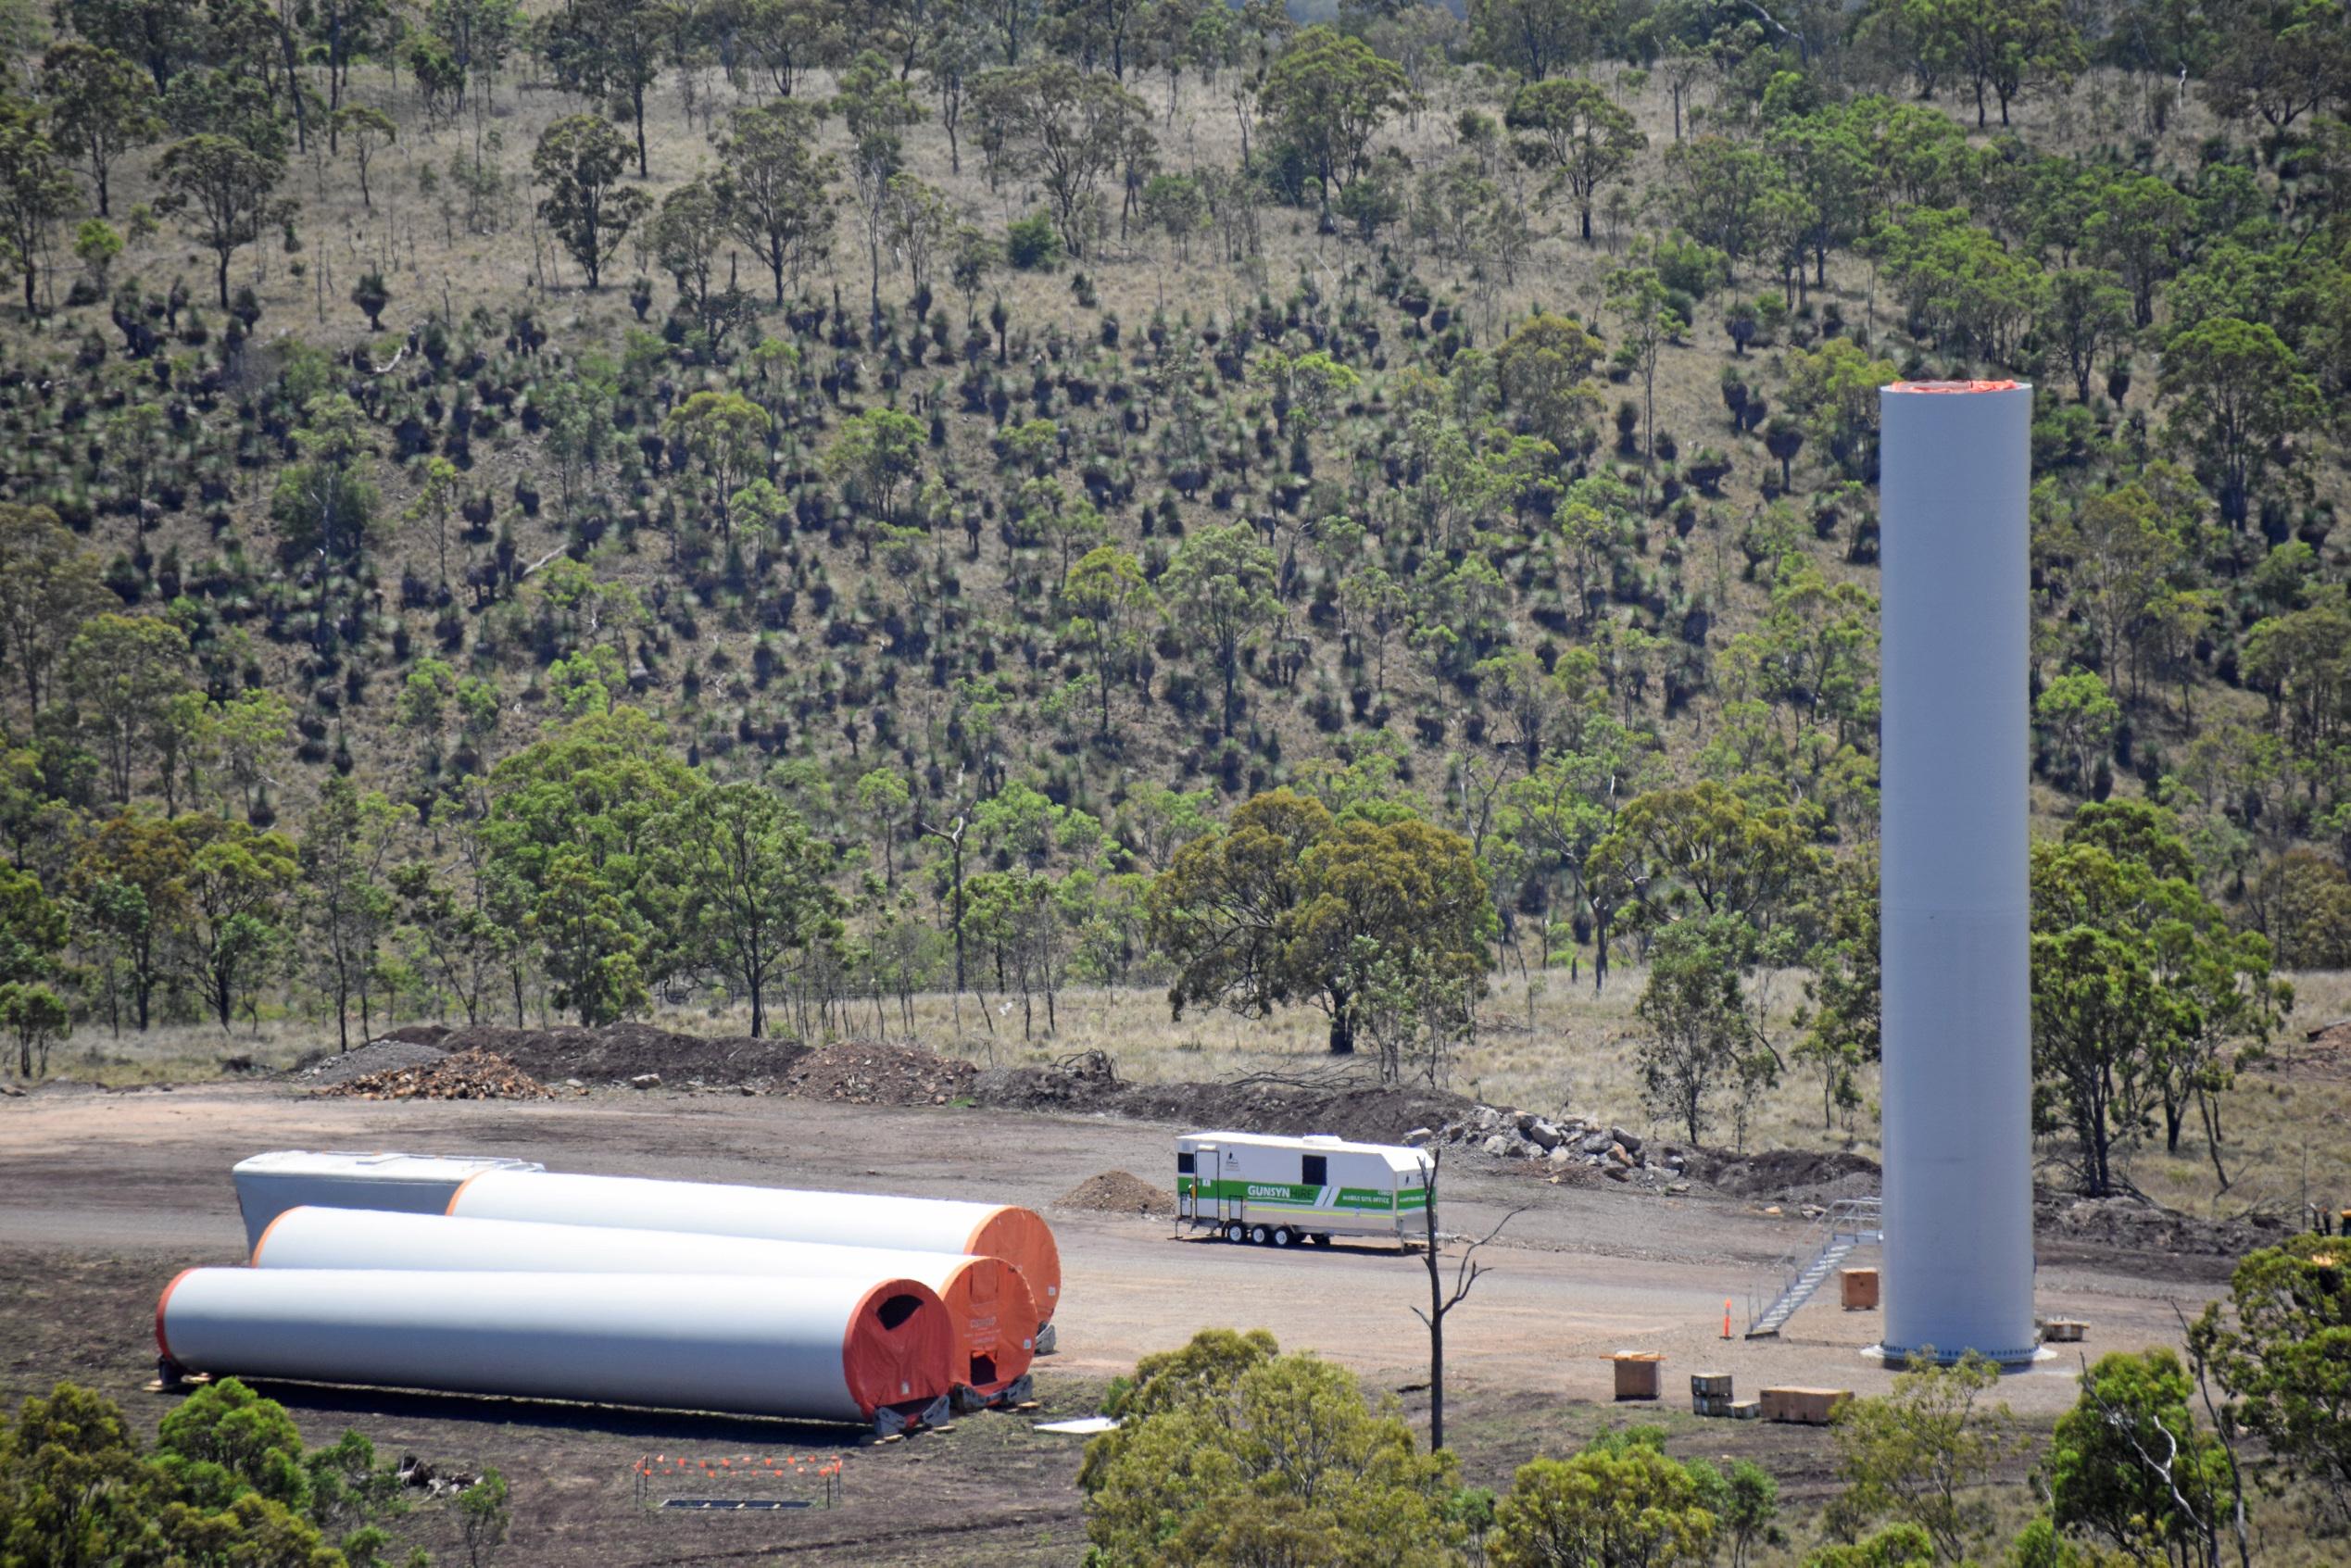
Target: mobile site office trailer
1280, 1191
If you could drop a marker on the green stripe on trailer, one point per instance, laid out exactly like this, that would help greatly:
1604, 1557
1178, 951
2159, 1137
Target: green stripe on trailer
1281, 1195
1292, 1193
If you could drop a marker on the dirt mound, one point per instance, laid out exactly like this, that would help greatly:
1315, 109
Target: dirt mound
1116, 1192
616, 1052
386, 1055
1786, 1176
471, 1074
2135, 1225
1088, 1080
1362, 1111
1362, 1114
879, 1074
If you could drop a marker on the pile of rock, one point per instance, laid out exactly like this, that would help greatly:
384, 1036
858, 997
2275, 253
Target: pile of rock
475, 1074
388, 1054
880, 1075
1568, 1143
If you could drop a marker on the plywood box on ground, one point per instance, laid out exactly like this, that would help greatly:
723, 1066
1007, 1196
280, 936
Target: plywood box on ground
1637, 1372
1804, 1406
2063, 1331
1710, 1385
1861, 1289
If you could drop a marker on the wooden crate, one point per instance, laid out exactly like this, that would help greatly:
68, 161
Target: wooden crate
1741, 1409
1802, 1407
1860, 1287
2063, 1331
1710, 1385
1637, 1373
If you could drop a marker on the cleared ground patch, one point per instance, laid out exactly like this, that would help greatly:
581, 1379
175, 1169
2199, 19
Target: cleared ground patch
117, 1191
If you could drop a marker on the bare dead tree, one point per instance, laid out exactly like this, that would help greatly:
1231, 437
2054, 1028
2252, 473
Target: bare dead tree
2224, 1427
1443, 1297
928, 827
2199, 1512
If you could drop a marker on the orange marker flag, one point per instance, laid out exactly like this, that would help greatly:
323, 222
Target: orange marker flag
1726, 1317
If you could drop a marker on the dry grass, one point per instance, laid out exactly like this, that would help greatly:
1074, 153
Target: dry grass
1546, 1042
2283, 1126
1550, 1044
184, 1053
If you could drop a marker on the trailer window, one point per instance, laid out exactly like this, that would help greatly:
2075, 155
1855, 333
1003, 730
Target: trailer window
1183, 1162
1315, 1170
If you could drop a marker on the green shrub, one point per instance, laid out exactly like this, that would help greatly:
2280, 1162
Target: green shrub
1031, 243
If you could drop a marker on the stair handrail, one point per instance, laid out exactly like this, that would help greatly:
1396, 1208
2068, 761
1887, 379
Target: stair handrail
1859, 1220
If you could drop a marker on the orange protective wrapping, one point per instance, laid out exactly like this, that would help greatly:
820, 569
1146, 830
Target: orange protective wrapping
1954, 386
162, 1343
1022, 1238
995, 1317
460, 1193
912, 1361
255, 1262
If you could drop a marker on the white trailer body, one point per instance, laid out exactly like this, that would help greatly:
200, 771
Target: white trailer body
1271, 1189
825, 1350
993, 1317
268, 1185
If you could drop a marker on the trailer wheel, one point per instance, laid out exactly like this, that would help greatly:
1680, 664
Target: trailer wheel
1282, 1236
1257, 1234
1233, 1233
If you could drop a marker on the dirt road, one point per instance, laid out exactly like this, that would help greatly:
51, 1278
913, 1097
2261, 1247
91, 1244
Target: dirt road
112, 1193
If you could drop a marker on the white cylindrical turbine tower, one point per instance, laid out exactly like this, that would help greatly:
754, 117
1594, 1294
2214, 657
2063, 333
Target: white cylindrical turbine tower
1957, 1088
825, 1350
1018, 1236
268, 1185
995, 1320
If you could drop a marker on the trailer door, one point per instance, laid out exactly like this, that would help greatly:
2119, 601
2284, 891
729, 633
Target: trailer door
1187, 1182
1204, 1200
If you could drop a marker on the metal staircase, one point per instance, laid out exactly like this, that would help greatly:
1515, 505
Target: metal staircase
1850, 1223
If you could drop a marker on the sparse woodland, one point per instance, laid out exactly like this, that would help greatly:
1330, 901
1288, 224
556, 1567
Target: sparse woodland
530, 510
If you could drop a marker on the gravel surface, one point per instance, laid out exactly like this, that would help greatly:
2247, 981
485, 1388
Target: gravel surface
379, 1055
